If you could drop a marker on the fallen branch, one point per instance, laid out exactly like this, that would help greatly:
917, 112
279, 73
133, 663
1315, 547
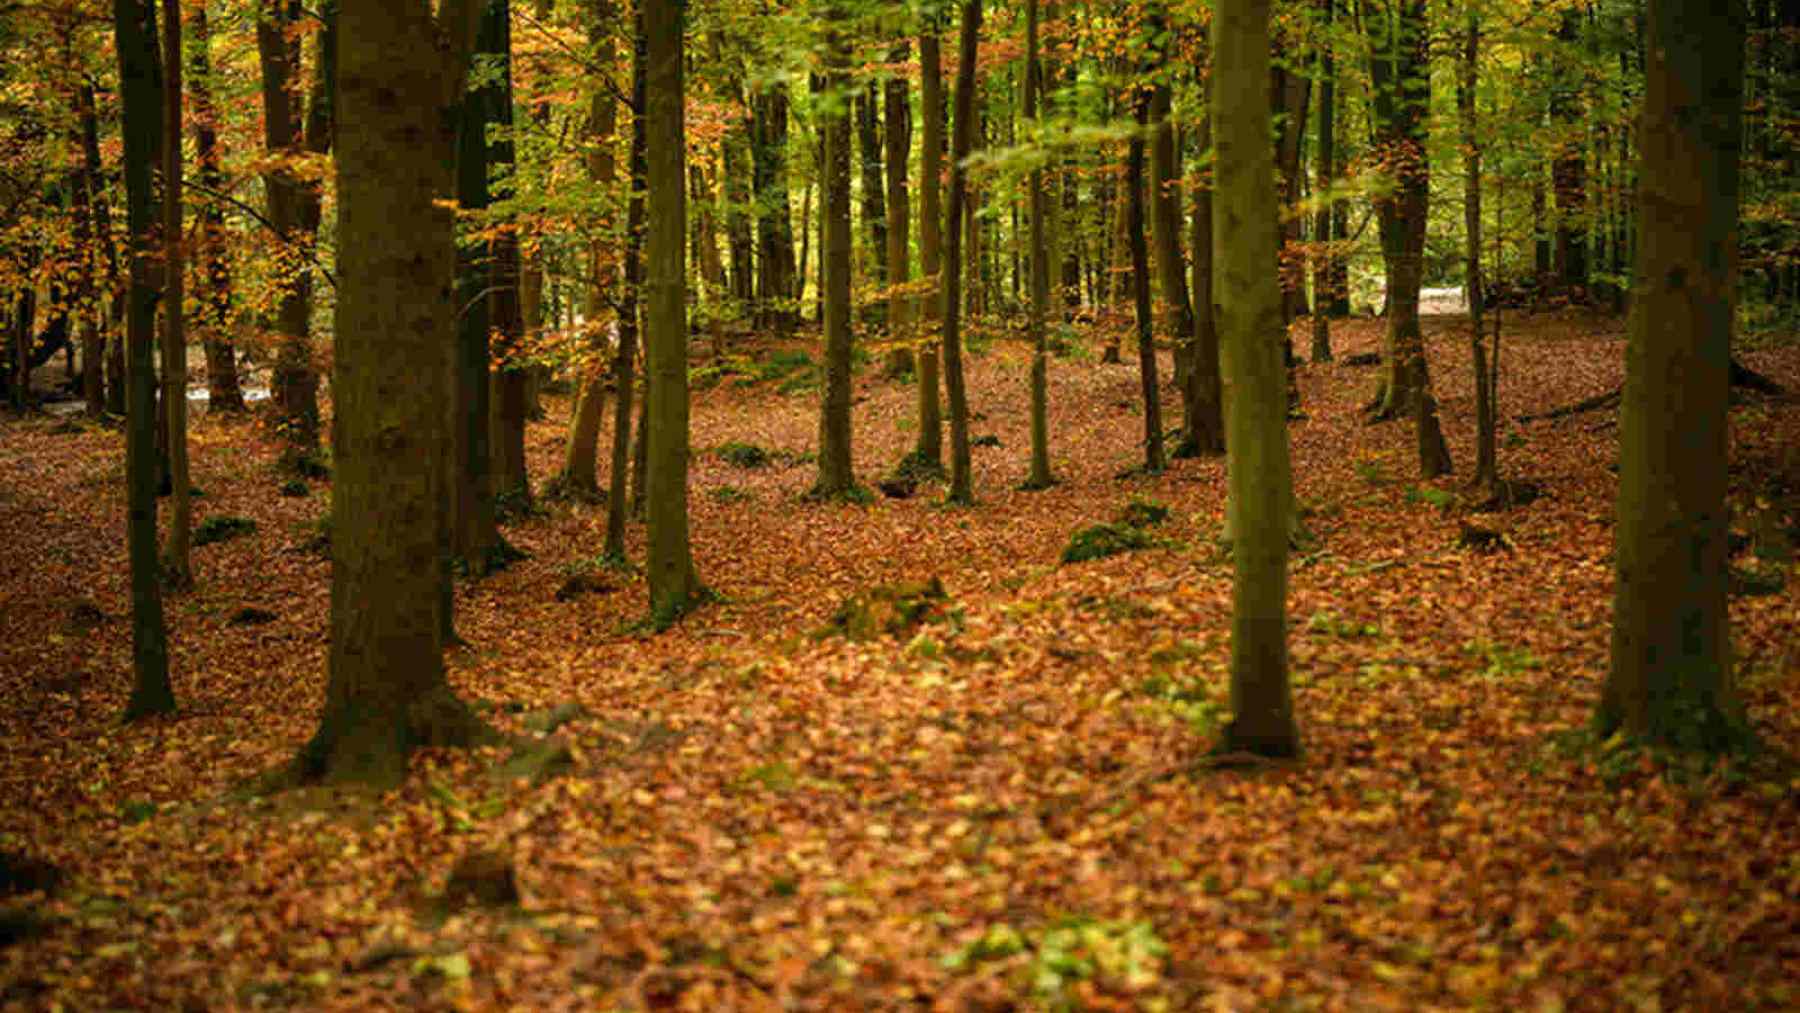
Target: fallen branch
1741, 376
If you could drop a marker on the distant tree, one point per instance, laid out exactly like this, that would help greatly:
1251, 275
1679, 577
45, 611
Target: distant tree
929, 450
1671, 680
1040, 476
1154, 458
177, 568
140, 76
962, 488
401, 77
223, 387
1252, 333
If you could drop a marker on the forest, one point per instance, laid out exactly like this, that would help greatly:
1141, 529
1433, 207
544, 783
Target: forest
879, 504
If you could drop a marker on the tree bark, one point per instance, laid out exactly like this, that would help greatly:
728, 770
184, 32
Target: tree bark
134, 29
1040, 476
1250, 318
897, 136
623, 497
1323, 297
874, 202
776, 272
836, 477
962, 489
674, 586
476, 531
511, 376
177, 549
400, 80
929, 450
1154, 460
1670, 682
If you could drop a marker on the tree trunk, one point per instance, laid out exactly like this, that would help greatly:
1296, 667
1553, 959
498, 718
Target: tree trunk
874, 203
897, 135
929, 451
476, 532
1140, 291
580, 471
101, 218
134, 28
1206, 376
1568, 170
1250, 319
836, 477
1291, 93
1323, 297
292, 204
776, 273
623, 496
1486, 477
86, 179
1671, 682
962, 489
511, 376
1040, 476
224, 392
177, 567
674, 586
393, 364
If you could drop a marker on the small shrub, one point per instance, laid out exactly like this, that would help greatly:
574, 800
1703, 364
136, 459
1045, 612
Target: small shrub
730, 494
1436, 497
222, 528
1143, 513
295, 487
743, 455
1101, 540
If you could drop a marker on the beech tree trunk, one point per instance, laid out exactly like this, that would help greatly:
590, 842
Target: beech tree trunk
1671, 679
1252, 332
224, 391
962, 488
510, 404
476, 531
177, 567
897, 136
674, 586
929, 450
401, 78
1040, 476
1154, 460
776, 271
836, 477
1323, 297
134, 34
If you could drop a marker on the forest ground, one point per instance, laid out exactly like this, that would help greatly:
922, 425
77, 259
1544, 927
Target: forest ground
1007, 808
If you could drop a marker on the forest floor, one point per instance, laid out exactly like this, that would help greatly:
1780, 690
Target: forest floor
1009, 807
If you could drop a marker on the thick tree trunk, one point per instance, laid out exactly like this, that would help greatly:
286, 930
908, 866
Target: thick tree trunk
836, 477
1250, 318
962, 488
177, 568
1671, 680
674, 586
1040, 476
1140, 291
393, 364
224, 392
929, 450
134, 27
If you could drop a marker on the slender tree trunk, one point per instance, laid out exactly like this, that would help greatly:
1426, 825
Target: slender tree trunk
1569, 169
1322, 221
224, 392
962, 489
1154, 460
1206, 373
929, 451
674, 586
874, 203
177, 567
1486, 477
776, 278
101, 212
509, 404
134, 28
1040, 476
1250, 318
580, 471
623, 498
836, 477
93, 384
1671, 678
897, 135
476, 532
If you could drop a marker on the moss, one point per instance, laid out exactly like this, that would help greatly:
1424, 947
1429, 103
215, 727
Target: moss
1143, 513
1101, 540
888, 610
222, 528
743, 455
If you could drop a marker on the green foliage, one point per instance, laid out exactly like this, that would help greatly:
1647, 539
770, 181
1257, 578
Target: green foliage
222, 528
1143, 513
1330, 624
1190, 700
1436, 497
731, 494
743, 455
1101, 540
1499, 660
1068, 953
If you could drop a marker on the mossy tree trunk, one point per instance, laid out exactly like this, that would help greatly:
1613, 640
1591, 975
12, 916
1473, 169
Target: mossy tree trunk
1039, 477
400, 81
962, 487
1670, 682
134, 28
1251, 325
674, 585
836, 476
1154, 459
929, 450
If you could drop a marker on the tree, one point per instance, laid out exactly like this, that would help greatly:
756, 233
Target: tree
140, 77
836, 477
476, 536
1140, 289
621, 502
510, 403
777, 276
1401, 78
674, 586
897, 136
224, 391
929, 451
1252, 333
291, 131
1486, 477
1322, 221
176, 550
1040, 476
400, 80
961, 140
1670, 683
